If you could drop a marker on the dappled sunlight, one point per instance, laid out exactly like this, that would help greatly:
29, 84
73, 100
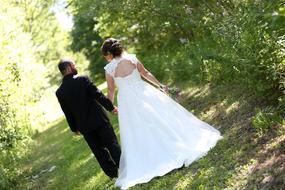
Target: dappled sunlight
191, 92
233, 107
233, 161
202, 93
236, 160
266, 164
98, 181
54, 124
183, 182
75, 166
223, 61
241, 174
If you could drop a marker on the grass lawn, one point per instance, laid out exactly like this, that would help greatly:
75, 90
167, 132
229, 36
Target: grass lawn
244, 159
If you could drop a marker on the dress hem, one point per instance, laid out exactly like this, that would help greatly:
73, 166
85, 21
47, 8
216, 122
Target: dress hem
182, 163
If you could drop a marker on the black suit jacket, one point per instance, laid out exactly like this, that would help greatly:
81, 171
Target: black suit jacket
81, 103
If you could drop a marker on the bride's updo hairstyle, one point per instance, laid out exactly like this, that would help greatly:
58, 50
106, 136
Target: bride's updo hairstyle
112, 46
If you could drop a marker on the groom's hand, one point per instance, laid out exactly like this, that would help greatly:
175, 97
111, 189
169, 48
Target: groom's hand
115, 111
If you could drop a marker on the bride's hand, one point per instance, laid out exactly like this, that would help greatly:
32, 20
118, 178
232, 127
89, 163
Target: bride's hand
164, 89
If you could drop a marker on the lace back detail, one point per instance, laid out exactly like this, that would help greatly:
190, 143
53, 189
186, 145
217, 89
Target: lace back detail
110, 68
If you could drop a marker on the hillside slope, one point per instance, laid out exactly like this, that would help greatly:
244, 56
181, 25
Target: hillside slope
244, 159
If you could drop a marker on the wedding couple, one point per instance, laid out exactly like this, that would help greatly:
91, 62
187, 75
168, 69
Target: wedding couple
157, 134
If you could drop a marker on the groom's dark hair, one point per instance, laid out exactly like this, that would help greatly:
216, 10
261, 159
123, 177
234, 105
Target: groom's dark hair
63, 64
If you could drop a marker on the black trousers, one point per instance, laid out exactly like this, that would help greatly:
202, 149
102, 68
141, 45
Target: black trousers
104, 145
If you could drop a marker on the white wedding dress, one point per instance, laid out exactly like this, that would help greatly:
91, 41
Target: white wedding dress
157, 134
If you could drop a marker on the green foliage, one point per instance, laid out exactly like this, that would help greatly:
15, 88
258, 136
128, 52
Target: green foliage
86, 40
225, 42
14, 125
30, 50
270, 117
219, 42
267, 118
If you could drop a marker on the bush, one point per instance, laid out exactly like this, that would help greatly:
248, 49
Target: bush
270, 117
28, 69
224, 42
267, 119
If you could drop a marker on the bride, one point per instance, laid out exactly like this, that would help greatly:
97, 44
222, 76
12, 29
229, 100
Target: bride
157, 134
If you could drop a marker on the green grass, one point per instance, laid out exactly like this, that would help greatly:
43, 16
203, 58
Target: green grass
244, 159
76, 167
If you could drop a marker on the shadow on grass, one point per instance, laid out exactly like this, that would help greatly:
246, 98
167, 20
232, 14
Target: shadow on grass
236, 161
244, 159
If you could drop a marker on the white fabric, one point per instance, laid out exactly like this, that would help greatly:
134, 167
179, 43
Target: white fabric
111, 67
157, 134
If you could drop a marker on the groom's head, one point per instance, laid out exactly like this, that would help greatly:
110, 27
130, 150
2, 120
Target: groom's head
66, 67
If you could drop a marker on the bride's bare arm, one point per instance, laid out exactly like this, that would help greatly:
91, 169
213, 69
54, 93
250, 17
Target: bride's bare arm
111, 87
148, 76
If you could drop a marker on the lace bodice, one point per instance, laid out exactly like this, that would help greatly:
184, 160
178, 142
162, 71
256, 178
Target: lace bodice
111, 67
126, 81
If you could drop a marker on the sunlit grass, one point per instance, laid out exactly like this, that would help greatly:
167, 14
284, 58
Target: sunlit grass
242, 160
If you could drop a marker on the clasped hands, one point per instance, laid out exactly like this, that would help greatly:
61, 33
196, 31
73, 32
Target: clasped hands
115, 110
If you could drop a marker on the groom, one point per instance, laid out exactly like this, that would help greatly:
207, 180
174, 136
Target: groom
81, 102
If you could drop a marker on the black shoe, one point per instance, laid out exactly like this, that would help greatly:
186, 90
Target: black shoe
113, 174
